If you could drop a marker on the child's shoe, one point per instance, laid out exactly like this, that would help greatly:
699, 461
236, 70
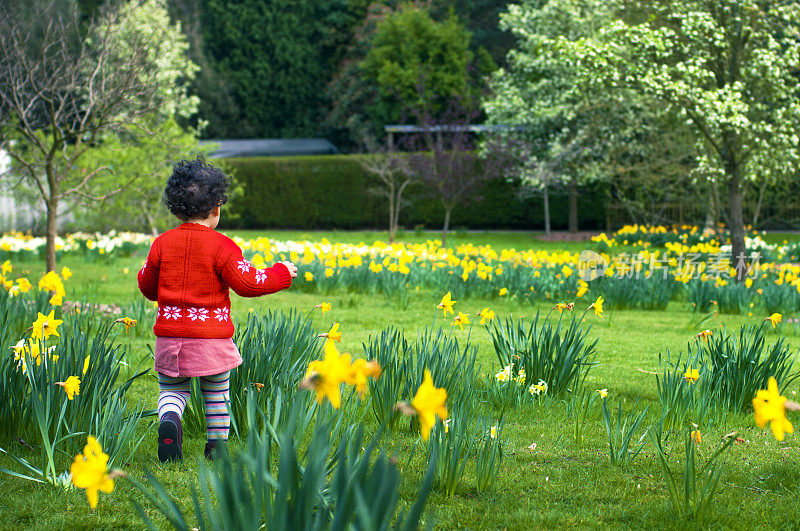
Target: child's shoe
213, 448
170, 438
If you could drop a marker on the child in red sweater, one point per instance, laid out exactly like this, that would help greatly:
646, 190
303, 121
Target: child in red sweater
189, 271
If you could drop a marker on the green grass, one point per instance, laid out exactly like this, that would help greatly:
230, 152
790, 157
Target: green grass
557, 484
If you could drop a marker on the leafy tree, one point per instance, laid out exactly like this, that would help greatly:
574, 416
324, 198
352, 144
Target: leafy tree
269, 63
142, 162
64, 84
534, 91
418, 65
728, 67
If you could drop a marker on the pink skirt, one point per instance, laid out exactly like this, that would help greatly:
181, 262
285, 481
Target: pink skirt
192, 356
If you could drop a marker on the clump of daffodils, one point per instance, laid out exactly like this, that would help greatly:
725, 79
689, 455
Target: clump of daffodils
507, 375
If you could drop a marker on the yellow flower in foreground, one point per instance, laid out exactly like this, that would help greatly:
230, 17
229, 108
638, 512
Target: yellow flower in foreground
128, 322
597, 306
696, 436
66, 273
72, 386
429, 403
325, 307
334, 334
485, 314
775, 318
770, 407
503, 291
5, 268
45, 326
309, 276
325, 376
446, 305
360, 370
460, 320
90, 471
691, 375
602, 392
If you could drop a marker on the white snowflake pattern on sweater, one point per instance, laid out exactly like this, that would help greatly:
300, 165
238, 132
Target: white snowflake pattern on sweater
171, 312
222, 314
200, 314
244, 266
261, 275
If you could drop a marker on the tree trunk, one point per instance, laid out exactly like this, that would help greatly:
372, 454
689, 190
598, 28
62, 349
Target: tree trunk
391, 214
736, 220
447, 212
51, 231
573, 204
546, 208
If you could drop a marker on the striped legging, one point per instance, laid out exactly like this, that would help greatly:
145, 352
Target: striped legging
173, 393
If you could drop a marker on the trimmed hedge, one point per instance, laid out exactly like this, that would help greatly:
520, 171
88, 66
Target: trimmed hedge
333, 191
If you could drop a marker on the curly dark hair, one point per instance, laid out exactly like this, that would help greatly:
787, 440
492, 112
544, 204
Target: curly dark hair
195, 188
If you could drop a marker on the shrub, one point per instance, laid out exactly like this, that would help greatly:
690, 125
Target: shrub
560, 355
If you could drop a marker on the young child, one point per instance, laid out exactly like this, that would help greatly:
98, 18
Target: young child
189, 271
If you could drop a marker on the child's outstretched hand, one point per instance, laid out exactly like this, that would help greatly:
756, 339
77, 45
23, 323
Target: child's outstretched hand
291, 267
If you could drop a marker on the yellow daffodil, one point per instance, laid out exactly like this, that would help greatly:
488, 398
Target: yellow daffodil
90, 471
325, 376
72, 386
770, 407
583, 287
539, 388
691, 375
602, 392
309, 276
24, 284
127, 322
360, 371
460, 320
334, 334
486, 314
50, 282
325, 307
66, 273
696, 437
429, 403
492, 432
446, 304
775, 318
5, 268
45, 326
503, 291
705, 334
561, 306
86, 364
597, 306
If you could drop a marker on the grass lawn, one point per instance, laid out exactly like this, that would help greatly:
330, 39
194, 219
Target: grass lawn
556, 483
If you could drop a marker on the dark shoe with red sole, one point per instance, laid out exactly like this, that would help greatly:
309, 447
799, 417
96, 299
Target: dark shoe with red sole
170, 438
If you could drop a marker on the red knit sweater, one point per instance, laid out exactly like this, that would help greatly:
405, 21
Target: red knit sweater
189, 270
